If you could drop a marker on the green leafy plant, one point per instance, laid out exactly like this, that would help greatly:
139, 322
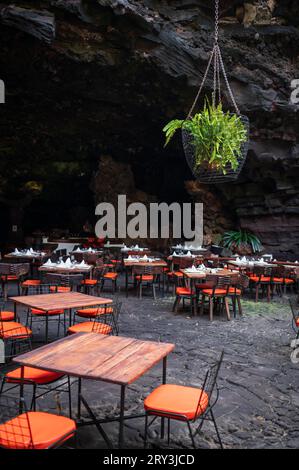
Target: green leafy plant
241, 241
217, 136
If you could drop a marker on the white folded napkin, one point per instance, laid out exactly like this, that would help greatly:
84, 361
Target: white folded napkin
189, 253
16, 252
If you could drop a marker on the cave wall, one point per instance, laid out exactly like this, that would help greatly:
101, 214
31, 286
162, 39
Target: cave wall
87, 79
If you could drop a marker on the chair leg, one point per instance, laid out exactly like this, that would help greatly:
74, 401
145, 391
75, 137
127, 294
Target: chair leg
191, 435
227, 308
211, 308
145, 430
216, 428
70, 396
154, 291
239, 305
256, 292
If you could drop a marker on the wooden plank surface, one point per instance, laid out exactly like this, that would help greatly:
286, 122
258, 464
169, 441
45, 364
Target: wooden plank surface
160, 263
223, 272
56, 269
114, 359
63, 301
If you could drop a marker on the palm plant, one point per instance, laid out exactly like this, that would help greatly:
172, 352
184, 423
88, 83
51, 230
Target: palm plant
241, 241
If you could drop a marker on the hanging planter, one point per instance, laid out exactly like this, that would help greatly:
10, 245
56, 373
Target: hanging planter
215, 142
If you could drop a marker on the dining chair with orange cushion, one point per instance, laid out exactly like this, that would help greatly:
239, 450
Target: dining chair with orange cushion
102, 319
183, 293
103, 274
12, 273
24, 430
29, 283
261, 279
40, 380
146, 277
185, 403
218, 293
16, 338
6, 315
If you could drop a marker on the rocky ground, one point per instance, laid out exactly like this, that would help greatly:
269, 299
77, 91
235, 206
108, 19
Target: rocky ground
258, 403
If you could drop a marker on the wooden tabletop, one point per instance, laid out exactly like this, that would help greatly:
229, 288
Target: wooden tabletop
113, 359
201, 275
161, 263
56, 269
61, 301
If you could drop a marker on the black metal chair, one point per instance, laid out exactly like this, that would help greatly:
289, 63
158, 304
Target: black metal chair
146, 276
185, 403
12, 272
102, 312
21, 429
104, 322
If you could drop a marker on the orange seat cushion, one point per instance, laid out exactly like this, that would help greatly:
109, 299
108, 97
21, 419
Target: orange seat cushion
289, 281
262, 279
11, 277
89, 282
35, 430
37, 376
145, 277
278, 280
60, 289
183, 291
93, 312
176, 399
7, 316
216, 292
90, 327
36, 311
12, 329
109, 265
233, 290
31, 282
112, 276
178, 274
297, 322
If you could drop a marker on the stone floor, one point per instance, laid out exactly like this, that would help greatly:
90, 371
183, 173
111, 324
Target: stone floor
258, 403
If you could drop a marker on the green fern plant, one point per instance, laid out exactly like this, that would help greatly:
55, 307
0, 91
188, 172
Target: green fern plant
217, 136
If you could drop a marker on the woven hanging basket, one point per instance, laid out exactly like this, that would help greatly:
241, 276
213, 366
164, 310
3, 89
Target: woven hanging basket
207, 174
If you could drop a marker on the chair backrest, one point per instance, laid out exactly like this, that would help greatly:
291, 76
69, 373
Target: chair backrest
147, 270
278, 272
17, 269
210, 382
18, 434
223, 282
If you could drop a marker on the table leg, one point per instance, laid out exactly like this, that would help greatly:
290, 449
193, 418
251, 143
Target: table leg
163, 382
121, 417
15, 311
21, 405
47, 327
79, 399
126, 272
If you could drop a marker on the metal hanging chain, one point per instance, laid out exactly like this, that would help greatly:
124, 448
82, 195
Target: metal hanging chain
227, 83
202, 84
218, 66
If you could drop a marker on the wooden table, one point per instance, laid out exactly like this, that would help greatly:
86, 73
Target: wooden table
58, 301
130, 264
77, 270
114, 359
202, 275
